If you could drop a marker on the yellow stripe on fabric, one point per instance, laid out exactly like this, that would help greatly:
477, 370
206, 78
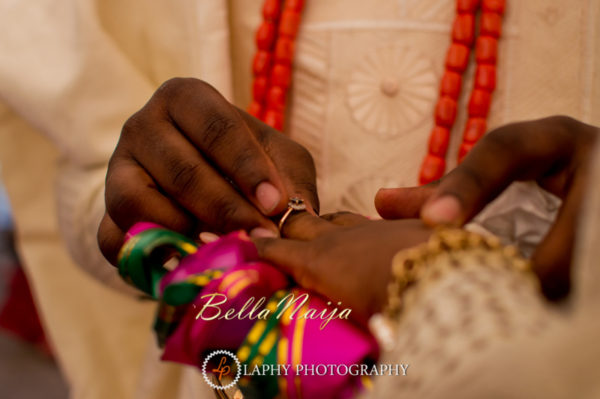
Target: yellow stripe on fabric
234, 290
268, 343
367, 382
257, 331
200, 280
243, 353
285, 318
297, 346
282, 354
231, 278
187, 247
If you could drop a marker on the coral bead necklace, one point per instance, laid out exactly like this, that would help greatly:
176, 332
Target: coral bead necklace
272, 71
272, 64
457, 60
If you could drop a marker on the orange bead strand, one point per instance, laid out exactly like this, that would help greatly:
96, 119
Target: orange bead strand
457, 61
272, 64
486, 55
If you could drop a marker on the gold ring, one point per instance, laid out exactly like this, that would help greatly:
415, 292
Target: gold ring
294, 204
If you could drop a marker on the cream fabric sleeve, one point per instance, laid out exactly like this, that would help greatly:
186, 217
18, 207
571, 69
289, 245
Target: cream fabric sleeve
77, 69
74, 70
66, 77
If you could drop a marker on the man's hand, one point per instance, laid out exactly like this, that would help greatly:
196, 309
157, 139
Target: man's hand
191, 161
555, 152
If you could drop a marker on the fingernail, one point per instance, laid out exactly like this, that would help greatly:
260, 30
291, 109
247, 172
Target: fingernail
444, 210
261, 232
268, 196
207, 237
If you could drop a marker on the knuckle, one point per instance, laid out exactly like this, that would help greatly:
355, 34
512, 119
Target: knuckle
242, 167
561, 120
264, 138
123, 206
115, 191
330, 217
225, 213
115, 199
140, 126
337, 216
186, 176
570, 129
504, 137
133, 125
172, 86
215, 131
180, 89
508, 144
471, 177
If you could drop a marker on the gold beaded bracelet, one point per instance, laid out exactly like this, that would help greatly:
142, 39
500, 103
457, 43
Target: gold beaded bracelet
409, 267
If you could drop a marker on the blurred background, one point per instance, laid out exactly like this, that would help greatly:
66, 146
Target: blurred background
27, 366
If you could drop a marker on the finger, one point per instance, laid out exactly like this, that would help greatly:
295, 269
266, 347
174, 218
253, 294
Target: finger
403, 203
206, 237
295, 164
132, 196
110, 239
522, 151
216, 128
345, 219
186, 177
553, 257
305, 226
291, 256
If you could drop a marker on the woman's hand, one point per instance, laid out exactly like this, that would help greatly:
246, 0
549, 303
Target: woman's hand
555, 152
191, 161
346, 258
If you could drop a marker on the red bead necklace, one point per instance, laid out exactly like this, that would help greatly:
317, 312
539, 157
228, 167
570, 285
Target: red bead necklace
457, 60
272, 64
272, 71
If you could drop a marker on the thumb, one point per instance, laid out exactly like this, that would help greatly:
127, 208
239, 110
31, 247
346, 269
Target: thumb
402, 203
